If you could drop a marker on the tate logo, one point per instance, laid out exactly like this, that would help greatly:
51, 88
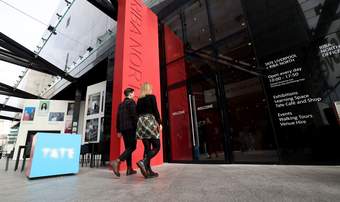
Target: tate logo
58, 153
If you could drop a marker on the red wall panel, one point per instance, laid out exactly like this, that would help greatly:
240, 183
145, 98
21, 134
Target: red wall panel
179, 117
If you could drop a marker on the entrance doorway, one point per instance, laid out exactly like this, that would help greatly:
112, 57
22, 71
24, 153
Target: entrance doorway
219, 114
206, 127
217, 106
196, 129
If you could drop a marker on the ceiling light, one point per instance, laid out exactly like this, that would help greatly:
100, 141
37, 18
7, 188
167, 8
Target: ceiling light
89, 49
59, 16
52, 29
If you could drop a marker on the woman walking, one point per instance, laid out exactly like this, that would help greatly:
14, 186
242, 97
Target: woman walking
148, 128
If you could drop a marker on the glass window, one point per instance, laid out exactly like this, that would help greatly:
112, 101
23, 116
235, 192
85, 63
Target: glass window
227, 17
197, 27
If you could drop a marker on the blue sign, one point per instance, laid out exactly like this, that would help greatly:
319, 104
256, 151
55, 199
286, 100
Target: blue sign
54, 154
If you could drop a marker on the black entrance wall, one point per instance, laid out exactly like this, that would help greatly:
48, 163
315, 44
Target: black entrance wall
293, 49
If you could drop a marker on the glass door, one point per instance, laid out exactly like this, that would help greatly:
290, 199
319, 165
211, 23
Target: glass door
196, 132
207, 131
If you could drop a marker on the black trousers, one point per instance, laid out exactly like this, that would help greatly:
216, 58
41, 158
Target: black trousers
129, 137
151, 149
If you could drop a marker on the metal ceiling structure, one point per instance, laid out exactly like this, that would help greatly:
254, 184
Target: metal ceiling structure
11, 91
163, 9
10, 108
109, 7
166, 8
8, 118
15, 53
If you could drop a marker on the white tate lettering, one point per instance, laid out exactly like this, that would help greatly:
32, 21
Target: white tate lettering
62, 152
54, 154
45, 151
70, 153
58, 153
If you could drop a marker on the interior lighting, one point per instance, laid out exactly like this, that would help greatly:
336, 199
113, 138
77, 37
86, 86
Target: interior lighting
52, 29
89, 49
59, 16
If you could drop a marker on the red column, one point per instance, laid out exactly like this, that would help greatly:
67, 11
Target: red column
136, 62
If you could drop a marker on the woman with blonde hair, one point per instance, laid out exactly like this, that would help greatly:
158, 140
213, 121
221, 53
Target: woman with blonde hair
148, 128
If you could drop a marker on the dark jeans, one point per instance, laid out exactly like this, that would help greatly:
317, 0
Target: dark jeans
129, 137
151, 149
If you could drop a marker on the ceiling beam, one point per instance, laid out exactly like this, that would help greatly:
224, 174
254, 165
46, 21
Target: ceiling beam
17, 54
18, 61
165, 8
9, 118
8, 108
11, 91
110, 9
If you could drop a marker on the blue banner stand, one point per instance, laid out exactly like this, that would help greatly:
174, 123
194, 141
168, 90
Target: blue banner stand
54, 154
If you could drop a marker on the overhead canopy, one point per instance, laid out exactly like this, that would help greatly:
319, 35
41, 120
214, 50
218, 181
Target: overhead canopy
13, 52
40, 44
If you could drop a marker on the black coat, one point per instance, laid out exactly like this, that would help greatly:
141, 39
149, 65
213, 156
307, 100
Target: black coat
126, 116
148, 105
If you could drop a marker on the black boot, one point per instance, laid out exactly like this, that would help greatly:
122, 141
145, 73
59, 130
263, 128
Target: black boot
115, 167
141, 165
150, 173
130, 171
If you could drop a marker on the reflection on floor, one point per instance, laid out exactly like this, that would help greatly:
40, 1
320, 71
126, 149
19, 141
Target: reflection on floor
216, 156
258, 156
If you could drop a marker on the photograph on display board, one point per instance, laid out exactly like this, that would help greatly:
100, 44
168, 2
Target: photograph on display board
93, 104
44, 107
70, 109
91, 131
68, 126
28, 114
56, 116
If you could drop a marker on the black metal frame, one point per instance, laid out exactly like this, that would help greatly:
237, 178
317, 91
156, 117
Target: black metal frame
13, 52
110, 9
11, 91
8, 108
8, 118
